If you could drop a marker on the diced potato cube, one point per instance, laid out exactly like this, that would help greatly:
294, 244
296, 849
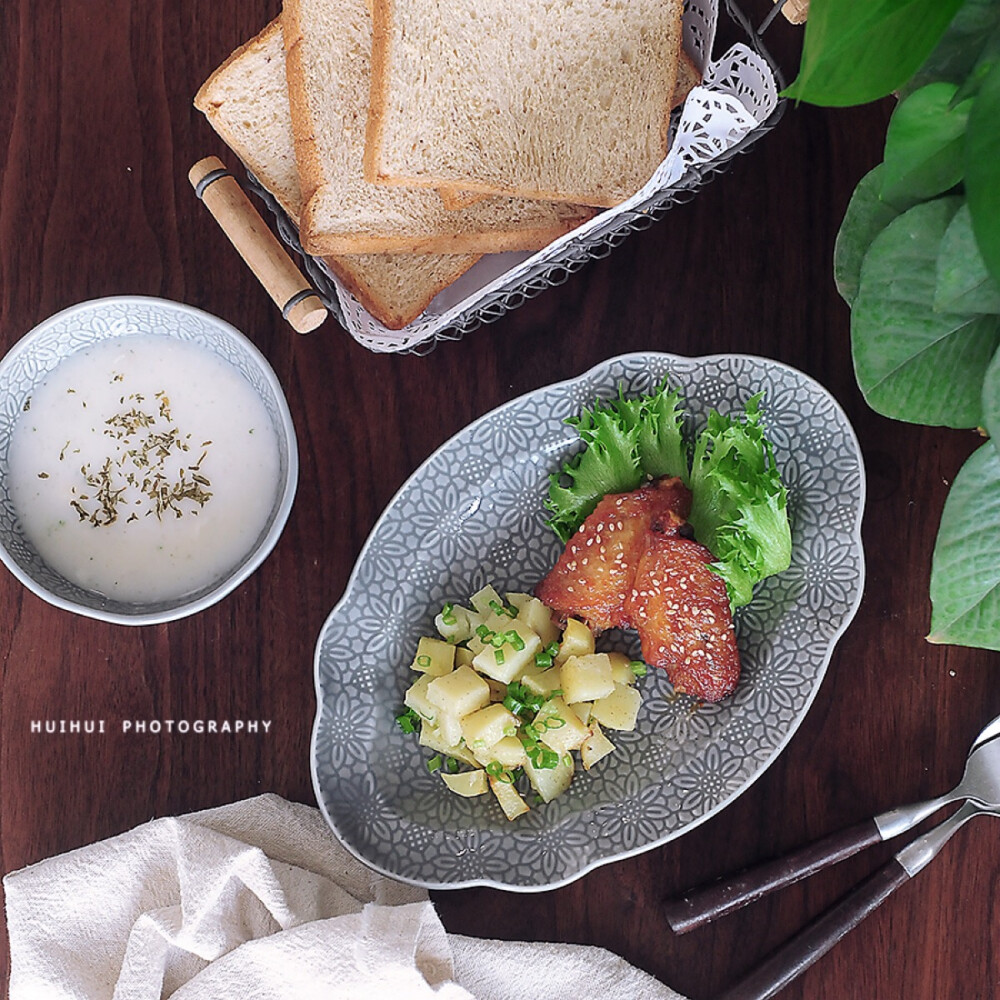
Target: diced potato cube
467, 784
460, 692
542, 682
587, 677
621, 668
518, 600
509, 752
483, 601
595, 747
463, 657
417, 699
488, 725
538, 618
551, 781
498, 690
434, 656
432, 738
449, 726
559, 727
508, 662
509, 798
577, 640
619, 709
455, 623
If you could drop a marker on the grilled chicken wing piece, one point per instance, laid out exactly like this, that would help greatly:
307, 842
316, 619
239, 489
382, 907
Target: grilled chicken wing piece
682, 613
594, 575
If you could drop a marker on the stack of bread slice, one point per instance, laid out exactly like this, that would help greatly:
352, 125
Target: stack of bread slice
406, 138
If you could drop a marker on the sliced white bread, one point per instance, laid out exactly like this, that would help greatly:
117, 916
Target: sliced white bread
246, 102
564, 100
688, 77
328, 61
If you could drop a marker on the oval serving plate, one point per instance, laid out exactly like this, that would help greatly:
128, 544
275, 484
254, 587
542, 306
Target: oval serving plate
472, 514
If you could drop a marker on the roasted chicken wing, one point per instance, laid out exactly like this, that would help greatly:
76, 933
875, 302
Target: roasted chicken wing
681, 610
593, 578
634, 564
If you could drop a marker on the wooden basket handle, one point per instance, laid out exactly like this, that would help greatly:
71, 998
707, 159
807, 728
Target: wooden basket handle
257, 245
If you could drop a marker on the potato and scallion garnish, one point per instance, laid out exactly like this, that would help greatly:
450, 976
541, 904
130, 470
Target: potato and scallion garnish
509, 702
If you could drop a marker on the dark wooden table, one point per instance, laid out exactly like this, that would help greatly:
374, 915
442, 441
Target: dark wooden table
98, 132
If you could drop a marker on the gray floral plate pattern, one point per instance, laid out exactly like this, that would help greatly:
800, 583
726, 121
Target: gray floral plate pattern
472, 514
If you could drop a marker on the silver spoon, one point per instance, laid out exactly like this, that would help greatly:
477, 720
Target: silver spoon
980, 782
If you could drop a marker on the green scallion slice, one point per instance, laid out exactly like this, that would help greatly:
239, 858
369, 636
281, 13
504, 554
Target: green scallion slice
408, 721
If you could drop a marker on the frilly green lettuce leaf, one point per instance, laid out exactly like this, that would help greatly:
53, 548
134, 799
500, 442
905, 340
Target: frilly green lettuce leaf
739, 504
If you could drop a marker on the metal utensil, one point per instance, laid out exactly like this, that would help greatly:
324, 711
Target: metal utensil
980, 782
822, 934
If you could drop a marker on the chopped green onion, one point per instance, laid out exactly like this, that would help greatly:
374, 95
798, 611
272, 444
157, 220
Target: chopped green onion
515, 640
451, 765
408, 721
512, 704
638, 668
448, 614
552, 648
423, 661
498, 656
555, 722
434, 764
543, 660
496, 770
496, 640
484, 633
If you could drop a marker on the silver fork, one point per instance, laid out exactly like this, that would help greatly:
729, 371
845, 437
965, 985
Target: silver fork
796, 955
980, 782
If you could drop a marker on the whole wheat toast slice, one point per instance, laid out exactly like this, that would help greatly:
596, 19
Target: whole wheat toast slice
246, 102
328, 60
564, 101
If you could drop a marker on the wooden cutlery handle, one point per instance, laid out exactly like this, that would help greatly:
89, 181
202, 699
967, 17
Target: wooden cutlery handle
794, 957
705, 904
257, 245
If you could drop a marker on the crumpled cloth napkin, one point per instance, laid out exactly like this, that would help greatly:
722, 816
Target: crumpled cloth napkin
259, 901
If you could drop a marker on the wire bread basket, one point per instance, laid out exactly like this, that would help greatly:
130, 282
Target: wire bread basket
734, 107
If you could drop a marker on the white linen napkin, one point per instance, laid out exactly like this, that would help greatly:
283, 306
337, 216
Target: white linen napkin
259, 901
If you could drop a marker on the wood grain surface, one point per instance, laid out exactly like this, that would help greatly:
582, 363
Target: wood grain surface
97, 134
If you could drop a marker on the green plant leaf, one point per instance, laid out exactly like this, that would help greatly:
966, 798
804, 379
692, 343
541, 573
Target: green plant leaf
963, 283
965, 571
988, 58
961, 47
991, 401
982, 170
866, 216
924, 145
855, 52
912, 363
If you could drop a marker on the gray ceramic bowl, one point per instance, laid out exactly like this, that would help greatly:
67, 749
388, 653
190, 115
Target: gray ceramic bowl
472, 514
38, 352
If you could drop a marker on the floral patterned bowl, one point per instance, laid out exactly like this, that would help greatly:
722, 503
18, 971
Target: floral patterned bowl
472, 514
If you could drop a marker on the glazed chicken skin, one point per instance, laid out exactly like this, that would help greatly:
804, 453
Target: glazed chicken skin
634, 564
681, 610
594, 575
